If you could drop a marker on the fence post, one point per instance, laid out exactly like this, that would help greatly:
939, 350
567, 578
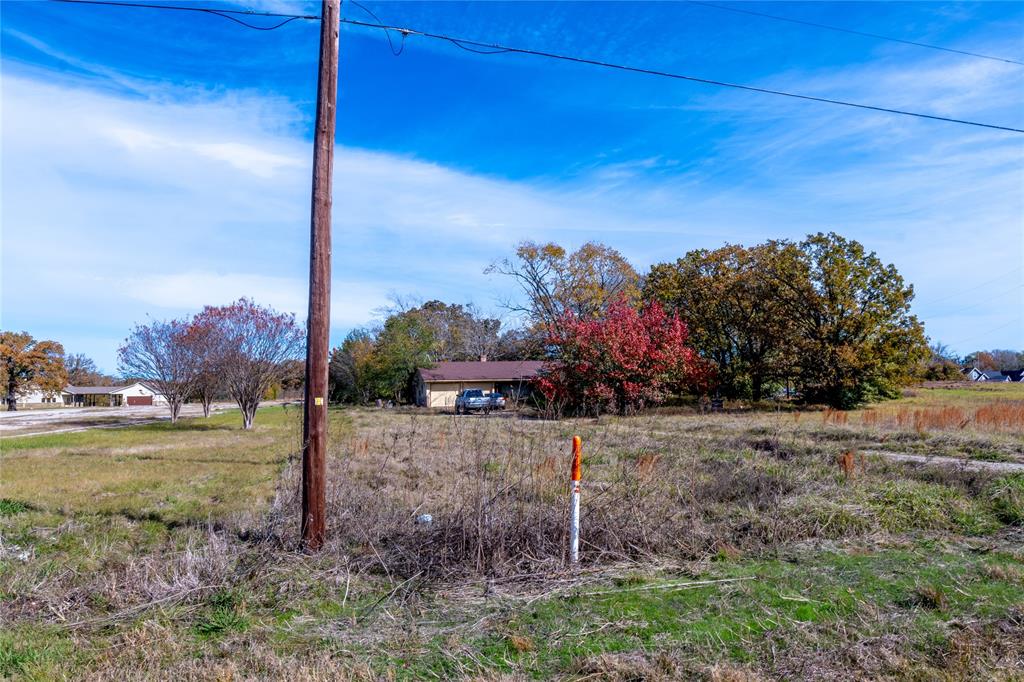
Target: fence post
574, 507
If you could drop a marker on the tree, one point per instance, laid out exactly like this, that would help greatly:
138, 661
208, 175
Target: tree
583, 283
623, 361
853, 333
26, 363
258, 341
404, 344
208, 344
941, 364
348, 371
995, 360
160, 354
82, 371
731, 310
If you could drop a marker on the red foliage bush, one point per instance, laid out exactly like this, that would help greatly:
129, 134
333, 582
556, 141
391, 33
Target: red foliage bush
623, 361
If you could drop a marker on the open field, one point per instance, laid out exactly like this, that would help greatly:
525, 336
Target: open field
36, 420
728, 547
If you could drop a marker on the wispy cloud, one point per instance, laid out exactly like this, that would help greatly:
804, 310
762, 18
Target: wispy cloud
118, 207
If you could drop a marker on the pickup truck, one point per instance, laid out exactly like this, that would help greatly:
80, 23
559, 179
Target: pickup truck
475, 399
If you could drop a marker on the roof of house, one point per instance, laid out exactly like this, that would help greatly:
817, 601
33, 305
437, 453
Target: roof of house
91, 390
498, 370
1014, 374
994, 375
103, 390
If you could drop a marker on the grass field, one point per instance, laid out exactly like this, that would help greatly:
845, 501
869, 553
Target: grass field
728, 547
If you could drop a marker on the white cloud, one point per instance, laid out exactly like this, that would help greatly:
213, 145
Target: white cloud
116, 207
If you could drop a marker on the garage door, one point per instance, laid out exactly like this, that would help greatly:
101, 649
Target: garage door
140, 400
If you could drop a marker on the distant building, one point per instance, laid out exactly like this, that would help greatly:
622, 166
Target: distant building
112, 396
439, 385
1000, 376
33, 395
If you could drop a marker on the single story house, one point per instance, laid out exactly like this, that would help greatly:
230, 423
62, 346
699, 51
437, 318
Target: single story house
112, 396
33, 395
437, 386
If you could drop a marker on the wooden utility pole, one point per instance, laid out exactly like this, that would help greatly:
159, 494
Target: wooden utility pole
314, 422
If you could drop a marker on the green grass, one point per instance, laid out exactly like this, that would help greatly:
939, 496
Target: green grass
900, 558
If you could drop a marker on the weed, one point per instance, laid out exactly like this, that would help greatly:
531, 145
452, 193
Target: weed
12, 507
1007, 498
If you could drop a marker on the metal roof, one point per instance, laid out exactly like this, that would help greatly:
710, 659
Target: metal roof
497, 370
91, 390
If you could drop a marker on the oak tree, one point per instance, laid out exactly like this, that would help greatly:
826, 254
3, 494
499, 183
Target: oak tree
26, 363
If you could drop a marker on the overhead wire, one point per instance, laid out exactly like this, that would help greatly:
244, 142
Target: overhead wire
401, 47
480, 47
841, 29
228, 14
463, 42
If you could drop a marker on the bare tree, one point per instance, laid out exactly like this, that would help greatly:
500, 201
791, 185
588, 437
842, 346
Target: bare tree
555, 282
257, 343
210, 349
160, 354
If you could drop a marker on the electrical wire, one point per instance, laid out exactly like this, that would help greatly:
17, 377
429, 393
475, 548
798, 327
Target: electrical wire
401, 48
498, 48
223, 13
479, 47
852, 31
955, 294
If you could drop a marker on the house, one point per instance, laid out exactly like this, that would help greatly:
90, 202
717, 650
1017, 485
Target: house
1014, 374
112, 396
437, 386
975, 374
33, 395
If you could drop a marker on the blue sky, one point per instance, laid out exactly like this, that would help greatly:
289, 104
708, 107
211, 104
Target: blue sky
154, 162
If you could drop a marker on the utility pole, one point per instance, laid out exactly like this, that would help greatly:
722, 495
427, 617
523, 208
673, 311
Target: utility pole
314, 416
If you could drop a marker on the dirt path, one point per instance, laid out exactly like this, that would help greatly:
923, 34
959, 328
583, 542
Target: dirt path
26, 423
977, 464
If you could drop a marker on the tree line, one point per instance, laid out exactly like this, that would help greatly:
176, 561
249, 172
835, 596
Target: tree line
241, 350
380, 362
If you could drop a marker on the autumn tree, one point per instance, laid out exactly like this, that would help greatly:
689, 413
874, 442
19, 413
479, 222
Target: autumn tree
555, 282
623, 361
852, 330
404, 344
258, 341
26, 363
348, 370
731, 310
995, 360
161, 354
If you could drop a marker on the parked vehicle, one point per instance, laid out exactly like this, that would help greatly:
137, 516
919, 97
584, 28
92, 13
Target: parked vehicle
475, 399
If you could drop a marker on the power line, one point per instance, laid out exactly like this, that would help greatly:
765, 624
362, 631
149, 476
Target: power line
401, 47
224, 13
931, 302
479, 47
840, 29
498, 48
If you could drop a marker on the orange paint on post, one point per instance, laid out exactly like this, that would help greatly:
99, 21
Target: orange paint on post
577, 456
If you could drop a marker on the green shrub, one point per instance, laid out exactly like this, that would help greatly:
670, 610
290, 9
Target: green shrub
904, 505
1007, 498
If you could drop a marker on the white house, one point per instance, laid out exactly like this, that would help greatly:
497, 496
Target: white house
113, 396
33, 395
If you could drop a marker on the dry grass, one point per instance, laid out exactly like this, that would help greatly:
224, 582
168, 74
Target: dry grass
864, 569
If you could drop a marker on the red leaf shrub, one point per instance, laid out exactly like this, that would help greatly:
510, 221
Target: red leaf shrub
623, 361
